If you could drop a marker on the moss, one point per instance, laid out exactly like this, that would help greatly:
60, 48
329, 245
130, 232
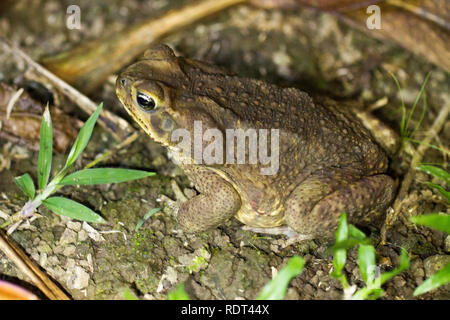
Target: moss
147, 285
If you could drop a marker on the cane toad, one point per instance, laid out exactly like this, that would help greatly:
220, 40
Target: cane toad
328, 162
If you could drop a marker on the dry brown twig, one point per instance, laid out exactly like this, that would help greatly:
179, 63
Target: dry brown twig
110, 152
431, 133
116, 126
31, 270
12, 102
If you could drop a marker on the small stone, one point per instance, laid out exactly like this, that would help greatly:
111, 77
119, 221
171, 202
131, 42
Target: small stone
292, 294
70, 264
399, 281
308, 289
58, 273
69, 250
447, 244
82, 235
434, 263
92, 233
36, 257
221, 240
90, 263
53, 260
417, 268
172, 275
78, 279
58, 249
44, 248
356, 274
43, 259
196, 261
314, 280
274, 247
73, 225
83, 263
68, 236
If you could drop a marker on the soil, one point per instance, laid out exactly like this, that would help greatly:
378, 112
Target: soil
305, 49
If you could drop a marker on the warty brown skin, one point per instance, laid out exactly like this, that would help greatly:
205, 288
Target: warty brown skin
329, 163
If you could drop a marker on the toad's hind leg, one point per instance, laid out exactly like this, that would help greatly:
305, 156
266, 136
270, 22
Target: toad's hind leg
314, 206
217, 201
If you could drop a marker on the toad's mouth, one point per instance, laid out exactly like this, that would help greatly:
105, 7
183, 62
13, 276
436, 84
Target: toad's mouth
134, 115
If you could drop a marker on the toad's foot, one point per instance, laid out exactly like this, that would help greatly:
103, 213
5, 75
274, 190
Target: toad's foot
293, 236
174, 205
179, 195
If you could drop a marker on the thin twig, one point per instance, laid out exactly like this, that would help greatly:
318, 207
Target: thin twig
116, 126
416, 160
12, 102
30, 269
110, 152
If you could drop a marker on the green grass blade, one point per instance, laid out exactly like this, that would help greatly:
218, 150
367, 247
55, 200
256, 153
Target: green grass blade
438, 279
347, 236
419, 95
375, 294
128, 295
178, 294
366, 263
72, 209
427, 144
103, 176
354, 232
437, 221
340, 255
403, 122
25, 183
368, 293
436, 172
45, 150
342, 230
404, 264
146, 217
422, 115
83, 137
277, 287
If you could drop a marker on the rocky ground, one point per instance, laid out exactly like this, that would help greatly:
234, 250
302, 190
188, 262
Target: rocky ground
306, 49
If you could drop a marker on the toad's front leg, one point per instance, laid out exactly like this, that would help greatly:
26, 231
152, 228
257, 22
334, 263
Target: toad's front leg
217, 201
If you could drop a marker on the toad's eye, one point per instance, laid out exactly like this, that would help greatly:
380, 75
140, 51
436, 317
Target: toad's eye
145, 102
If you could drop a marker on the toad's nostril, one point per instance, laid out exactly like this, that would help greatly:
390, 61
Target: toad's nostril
123, 81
